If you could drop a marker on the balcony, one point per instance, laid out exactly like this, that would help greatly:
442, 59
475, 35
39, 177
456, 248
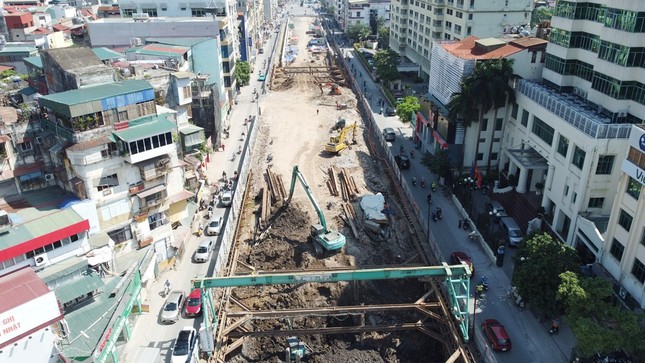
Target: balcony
153, 169
146, 141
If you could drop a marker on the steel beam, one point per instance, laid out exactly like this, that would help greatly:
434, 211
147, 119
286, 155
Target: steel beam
329, 330
333, 310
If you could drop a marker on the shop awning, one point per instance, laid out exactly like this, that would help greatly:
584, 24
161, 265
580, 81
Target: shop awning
29, 169
177, 197
78, 288
440, 140
148, 192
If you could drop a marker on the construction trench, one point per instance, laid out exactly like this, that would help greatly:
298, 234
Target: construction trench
399, 320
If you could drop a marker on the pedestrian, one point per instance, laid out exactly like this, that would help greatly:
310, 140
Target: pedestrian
460, 222
317, 111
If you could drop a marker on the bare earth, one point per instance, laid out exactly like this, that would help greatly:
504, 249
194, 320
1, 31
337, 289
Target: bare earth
293, 132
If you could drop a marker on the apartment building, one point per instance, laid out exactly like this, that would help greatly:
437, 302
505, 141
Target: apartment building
571, 131
415, 24
364, 11
479, 143
623, 252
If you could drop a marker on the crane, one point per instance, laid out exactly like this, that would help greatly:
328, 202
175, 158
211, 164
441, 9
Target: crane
329, 240
337, 144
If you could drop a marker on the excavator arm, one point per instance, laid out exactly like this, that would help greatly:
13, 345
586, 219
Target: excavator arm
296, 174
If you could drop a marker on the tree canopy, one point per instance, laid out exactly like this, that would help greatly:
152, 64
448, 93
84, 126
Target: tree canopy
540, 14
599, 325
383, 37
541, 260
386, 63
243, 73
358, 31
407, 107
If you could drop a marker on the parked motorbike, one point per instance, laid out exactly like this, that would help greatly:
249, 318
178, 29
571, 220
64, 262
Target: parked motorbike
414, 181
466, 224
423, 183
472, 235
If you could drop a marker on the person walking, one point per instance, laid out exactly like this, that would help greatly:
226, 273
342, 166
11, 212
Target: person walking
317, 112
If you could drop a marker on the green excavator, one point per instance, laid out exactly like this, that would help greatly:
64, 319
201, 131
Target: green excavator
329, 240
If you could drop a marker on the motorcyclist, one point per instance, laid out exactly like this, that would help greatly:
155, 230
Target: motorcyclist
429, 198
423, 182
412, 154
167, 287
414, 181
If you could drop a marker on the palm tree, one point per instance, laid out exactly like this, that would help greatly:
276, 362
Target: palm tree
502, 92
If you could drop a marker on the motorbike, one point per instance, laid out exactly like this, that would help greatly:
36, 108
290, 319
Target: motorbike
482, 286
412, 154
434, 186
423, 183
466, 224
414, 182
437, 214
472, 235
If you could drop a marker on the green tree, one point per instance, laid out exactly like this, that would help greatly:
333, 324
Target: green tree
541, 260
243, 73
543, 13
407, 107
599, 325
358, 32
503, 94
438, 163
383, 37
8, 73
376, 22
386, 63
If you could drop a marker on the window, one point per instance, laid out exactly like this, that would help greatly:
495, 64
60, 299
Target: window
480, 156
525, 118
449, 12
493, 156
625, 220
498, 124
484, 125
470, 16
617, 249
633, 188
605, 164
638, 270
107, 182
127, 13
197, 12
459, 14
514, 111
152, 12
187, 92
26, 146
121, 235
596, 202
578, 157
643, 237
563, 146
542, 130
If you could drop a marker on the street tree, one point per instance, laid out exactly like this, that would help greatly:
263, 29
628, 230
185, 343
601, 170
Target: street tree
243, 73
358, 32
386, 63
438, 163
543, 13
598, 324
383, 37
503, 94
376, 22
540, 261
407, 107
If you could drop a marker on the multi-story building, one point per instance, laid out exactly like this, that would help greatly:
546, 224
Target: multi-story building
416, 24
479, 143
623, 250
364, 11
569, 132
123, 157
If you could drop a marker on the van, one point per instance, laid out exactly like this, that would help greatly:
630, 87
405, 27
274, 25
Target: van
227, 199
512, 230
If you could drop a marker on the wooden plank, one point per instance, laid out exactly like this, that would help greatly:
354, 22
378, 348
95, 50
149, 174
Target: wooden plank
350, 220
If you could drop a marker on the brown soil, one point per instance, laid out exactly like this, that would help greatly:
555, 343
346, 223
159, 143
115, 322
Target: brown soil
295, 124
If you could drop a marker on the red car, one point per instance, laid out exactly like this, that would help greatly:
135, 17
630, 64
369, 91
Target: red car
457, 258
193, 305
496, 335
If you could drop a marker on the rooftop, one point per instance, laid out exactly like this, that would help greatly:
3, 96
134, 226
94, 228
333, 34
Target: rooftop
95, 93
7, 50
74, 58
155, 126
160, 50
106, 54
20, 287
490, 48
182, 42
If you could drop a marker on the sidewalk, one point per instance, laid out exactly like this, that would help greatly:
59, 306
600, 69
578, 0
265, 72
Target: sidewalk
531, 342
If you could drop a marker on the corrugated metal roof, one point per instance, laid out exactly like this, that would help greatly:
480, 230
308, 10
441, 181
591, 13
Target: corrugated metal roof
18, 50
38, 227
35, 61
79, 287
133, 133
20, 287
106, 54
174, 51
63, 268
190, 129
184, 42
94, 93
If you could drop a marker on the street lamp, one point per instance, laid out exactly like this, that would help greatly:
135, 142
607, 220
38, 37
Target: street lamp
494, 217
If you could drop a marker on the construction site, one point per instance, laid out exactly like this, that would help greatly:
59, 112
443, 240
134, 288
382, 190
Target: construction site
320, 201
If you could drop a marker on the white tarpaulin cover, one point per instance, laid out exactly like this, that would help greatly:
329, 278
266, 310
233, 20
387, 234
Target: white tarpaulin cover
372, 205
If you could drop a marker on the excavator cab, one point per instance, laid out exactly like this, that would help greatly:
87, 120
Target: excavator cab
338, 144
329, 240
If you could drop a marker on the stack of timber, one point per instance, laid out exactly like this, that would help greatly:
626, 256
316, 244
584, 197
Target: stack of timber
350, 217
275, 186
342, 183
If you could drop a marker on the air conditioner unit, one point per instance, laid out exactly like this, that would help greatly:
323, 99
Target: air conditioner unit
622, 293
49, 177
39, 140
41, 260
622, 114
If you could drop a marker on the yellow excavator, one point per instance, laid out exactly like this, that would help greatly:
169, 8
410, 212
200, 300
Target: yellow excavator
337, 144
335, 89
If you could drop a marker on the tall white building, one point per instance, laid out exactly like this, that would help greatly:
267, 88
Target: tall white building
571, 133
363, 11
416, 24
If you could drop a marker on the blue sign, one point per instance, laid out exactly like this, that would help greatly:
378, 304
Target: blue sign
641, 142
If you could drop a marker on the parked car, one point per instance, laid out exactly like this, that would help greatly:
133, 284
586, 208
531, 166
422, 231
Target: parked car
185, 345
497, 209
402, 161
389, 134
262, 77
172, 308
496, 335
204, 250
458, 257
390, 111
193, 304
226, 199
214, 226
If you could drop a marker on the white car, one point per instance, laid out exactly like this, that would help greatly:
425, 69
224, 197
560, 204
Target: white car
185, 348
204, 250
227, 198
214, 226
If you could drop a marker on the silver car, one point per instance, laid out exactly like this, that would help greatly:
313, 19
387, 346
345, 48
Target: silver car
172, 308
